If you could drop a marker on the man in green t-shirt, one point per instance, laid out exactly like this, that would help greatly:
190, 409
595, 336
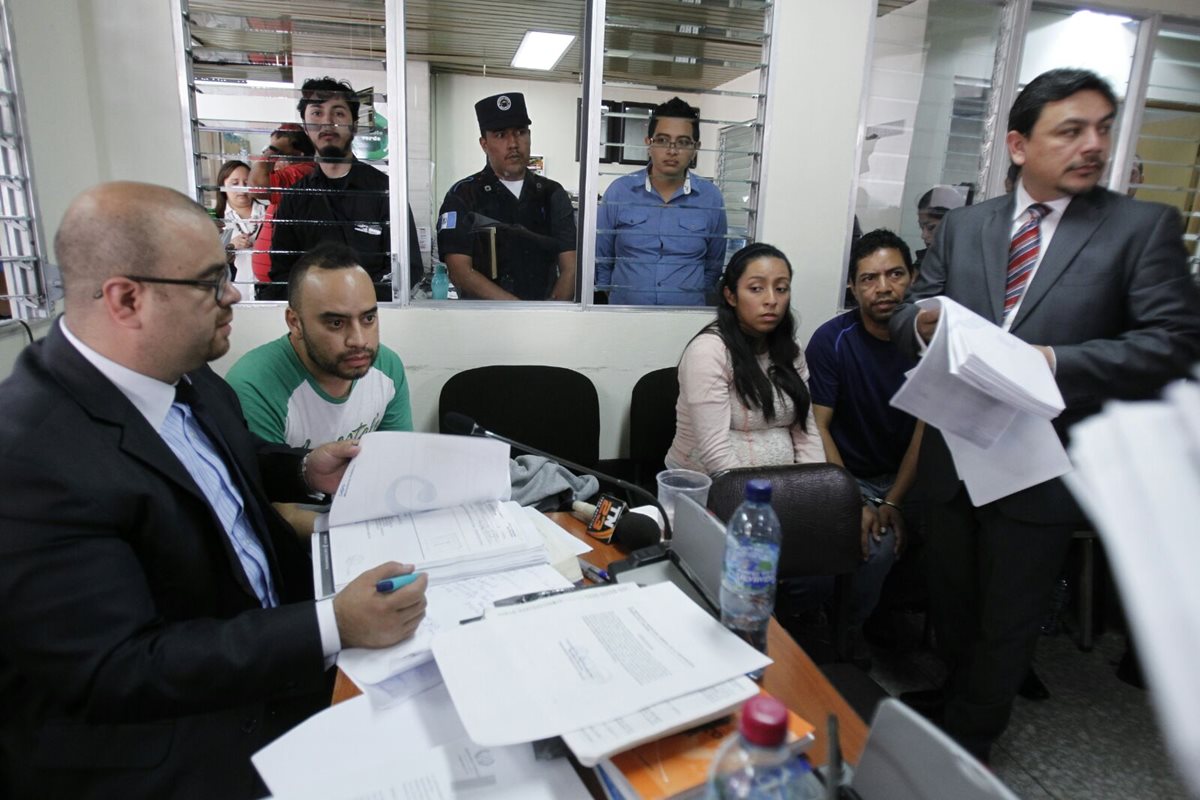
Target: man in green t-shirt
329, 378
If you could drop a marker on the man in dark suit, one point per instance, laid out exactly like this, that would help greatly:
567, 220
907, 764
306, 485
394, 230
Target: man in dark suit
157, 624
1098, 283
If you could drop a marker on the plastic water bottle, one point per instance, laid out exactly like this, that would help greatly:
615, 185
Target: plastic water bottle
752, 540
756, 763
439, 284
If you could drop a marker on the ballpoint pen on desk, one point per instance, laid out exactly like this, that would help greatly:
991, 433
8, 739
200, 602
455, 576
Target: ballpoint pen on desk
595, 573
392, 584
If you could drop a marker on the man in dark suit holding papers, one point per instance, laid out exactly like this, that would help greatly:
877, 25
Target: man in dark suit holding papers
1098, 283
158, 625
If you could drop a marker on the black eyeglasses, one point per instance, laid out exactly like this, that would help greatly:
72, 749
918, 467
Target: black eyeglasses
218, 285
667, 143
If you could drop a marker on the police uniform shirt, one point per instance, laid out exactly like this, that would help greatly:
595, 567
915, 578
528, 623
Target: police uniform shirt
525, 267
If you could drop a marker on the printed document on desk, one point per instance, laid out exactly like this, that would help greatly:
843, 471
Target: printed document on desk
354, 745
992, 396
446, 606
448, 543
583, 660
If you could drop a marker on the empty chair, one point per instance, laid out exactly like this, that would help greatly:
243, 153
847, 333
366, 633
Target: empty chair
554, 409
820, 512
652, 423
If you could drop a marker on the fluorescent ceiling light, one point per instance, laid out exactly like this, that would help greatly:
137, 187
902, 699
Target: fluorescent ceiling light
541, 50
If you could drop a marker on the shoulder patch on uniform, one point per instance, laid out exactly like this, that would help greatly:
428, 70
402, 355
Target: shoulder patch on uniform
447, 221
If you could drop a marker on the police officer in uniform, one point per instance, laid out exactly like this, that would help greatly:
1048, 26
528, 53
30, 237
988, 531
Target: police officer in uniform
506, 233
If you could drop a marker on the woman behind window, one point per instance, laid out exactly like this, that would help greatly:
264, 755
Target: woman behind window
743, 392
238, 215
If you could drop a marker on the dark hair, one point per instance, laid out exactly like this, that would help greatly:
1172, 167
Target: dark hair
878, 239
1050, 87
1014, 172
297, 137
226, 170
326, 255
319, 90
755, 388
675, 108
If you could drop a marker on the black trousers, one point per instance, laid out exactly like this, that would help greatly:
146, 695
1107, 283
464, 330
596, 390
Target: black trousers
990, 579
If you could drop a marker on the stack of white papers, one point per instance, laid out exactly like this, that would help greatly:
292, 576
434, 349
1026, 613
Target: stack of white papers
584, 659
437, 502
416, 750
447, 544
993, 397
1137, 474
447, 605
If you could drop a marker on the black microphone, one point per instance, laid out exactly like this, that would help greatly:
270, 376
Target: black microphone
463, 425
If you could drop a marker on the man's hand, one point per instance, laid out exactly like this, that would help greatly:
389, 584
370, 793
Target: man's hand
1048, 353
325, 466
367, 618
927, 322
870, 528
891, 520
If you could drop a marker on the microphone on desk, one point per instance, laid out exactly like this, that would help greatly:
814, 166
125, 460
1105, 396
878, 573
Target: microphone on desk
463, 425
634, 528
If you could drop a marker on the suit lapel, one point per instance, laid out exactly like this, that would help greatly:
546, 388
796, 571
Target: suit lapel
995, 238
1081, 219
103, 401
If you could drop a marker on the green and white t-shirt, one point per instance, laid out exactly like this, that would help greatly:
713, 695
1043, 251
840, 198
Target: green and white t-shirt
283, 403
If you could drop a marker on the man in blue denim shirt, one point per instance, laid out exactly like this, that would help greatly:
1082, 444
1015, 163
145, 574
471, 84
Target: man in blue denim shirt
660, 236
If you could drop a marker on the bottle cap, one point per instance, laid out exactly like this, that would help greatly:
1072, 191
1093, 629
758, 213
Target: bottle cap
758, 490
764, 721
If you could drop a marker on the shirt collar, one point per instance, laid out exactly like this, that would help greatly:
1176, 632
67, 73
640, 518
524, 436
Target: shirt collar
151, 397
687, 182
1024, 201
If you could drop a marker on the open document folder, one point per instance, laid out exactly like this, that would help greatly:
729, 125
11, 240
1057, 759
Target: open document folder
579, 659
993, 397
437, 502
1137, 475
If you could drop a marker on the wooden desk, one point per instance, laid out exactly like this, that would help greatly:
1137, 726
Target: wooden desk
793, 678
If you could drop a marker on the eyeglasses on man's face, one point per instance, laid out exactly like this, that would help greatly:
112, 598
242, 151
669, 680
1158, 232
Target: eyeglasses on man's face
218, 285
667, 143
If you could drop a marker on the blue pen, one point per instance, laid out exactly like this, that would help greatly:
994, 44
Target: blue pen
595, 573
392, 584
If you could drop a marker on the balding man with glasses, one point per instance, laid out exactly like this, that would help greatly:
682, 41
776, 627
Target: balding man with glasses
660, 234
158, 625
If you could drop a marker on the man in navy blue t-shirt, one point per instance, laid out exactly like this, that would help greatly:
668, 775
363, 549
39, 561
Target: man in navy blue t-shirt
854, 369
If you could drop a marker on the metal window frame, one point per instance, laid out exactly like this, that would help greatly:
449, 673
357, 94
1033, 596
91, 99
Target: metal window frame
33, 283
398, 177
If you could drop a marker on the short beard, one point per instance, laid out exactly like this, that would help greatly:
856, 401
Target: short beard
332, 152
333, 367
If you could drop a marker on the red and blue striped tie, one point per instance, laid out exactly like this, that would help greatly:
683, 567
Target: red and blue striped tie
1023, 255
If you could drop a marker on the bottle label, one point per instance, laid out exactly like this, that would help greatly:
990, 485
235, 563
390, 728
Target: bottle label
751, 566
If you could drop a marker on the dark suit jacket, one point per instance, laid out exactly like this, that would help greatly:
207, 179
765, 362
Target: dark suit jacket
1112, 297
135, 660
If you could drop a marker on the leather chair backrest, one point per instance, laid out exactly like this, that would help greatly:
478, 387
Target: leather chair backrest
652, 417
819, 508
554, 409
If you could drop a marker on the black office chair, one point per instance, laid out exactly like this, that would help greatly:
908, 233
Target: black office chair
820, 511
554, 409
652, 424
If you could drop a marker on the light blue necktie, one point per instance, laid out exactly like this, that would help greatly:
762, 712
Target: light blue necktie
200, 457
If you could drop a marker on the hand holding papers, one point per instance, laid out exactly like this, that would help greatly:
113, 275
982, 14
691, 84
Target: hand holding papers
581, 659
993, 397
